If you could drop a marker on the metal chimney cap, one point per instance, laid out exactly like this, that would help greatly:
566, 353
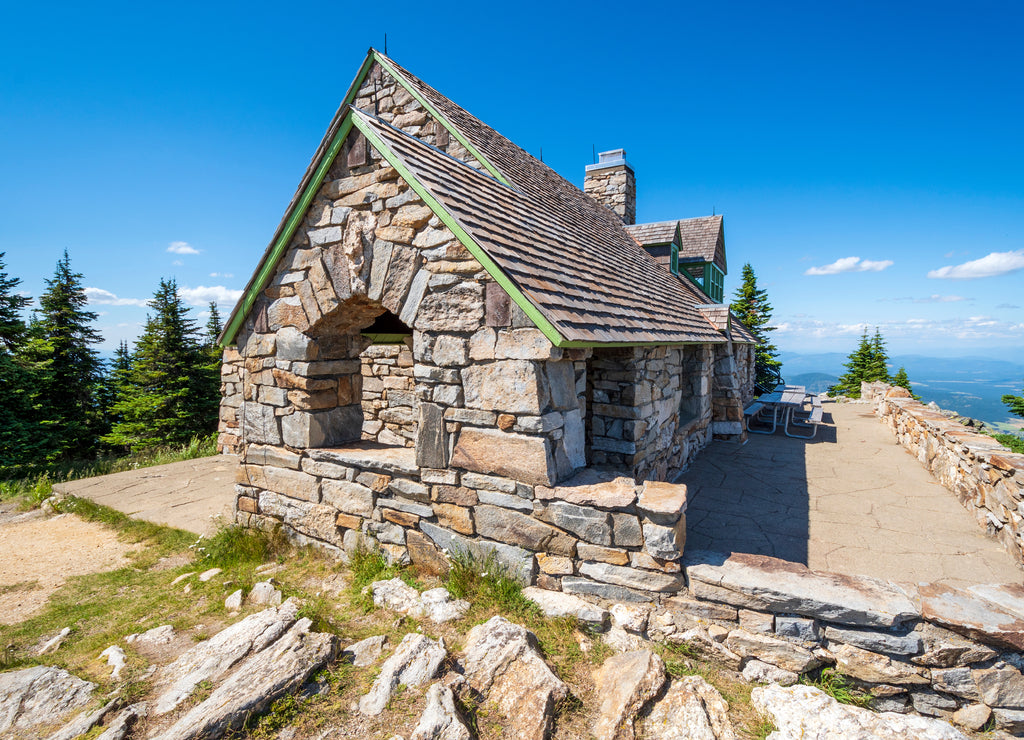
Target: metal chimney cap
611, 158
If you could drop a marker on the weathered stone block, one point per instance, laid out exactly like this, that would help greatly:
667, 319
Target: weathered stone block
511, 527
431, 437
459, 309
515, 456
454, 517
591, 525
505, 500
276, 456
454, 495
662, 503
644, 580
665, 543
525, 344
293, 345
514, 386
586, 551
519, 562
348, 497
313, 520
259, 424
306, 429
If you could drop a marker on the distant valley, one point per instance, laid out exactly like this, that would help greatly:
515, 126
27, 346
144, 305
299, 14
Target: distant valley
971, 386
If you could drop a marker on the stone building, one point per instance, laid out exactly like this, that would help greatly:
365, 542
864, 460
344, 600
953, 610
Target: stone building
447, 346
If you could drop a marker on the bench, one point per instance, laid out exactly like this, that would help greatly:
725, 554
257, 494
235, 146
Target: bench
753, 411
813, 420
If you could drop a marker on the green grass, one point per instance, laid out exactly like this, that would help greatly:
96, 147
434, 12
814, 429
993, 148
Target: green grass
35, 483
234, 546
838, 686
487, 585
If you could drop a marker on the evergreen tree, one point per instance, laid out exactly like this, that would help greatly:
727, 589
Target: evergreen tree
12, 326
751, 306
868, 363
67, 368
903, 381
19, 437
1014, 403
213, 326
115, 384
168, 397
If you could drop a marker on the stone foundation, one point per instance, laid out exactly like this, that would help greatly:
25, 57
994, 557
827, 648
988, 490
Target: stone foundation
986, 477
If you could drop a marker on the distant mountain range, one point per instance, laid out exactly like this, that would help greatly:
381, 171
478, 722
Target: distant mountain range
971, 386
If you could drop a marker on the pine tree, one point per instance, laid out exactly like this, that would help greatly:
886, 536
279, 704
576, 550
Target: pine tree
213, 326
751, 306
902, 380
868, 363
12, 326
168, 397
115, 383
60, 350
1014, 403
19, 434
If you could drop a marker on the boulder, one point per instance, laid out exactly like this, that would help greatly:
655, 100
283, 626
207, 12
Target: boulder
757, 671
701, 643
631, 617
264, 594
772, 585
437, 604
84, 722
692, 709
115, 659
121, 725
40, 694
414, 662
267, 674
503, 663
808, 713
623, 685
212, 658
622, 641
365, 652
557, 604
972, 717
440, 719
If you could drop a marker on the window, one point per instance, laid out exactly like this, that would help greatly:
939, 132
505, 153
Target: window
714, 282
674, 264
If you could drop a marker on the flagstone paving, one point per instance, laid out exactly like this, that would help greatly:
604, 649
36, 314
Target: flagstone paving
850, 501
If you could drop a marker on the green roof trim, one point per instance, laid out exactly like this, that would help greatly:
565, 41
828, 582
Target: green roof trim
509, 286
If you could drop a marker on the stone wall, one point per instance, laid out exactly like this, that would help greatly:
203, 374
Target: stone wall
613, 186
229, 439
727, 394
986, 477
390, 407
746, 371
927, 648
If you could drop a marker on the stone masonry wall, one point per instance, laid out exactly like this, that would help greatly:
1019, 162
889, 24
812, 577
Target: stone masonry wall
615, 188
229, 438
986, 477
746, 371
390, 407
727, 395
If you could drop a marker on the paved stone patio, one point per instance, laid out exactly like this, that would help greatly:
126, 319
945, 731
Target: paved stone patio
189, 494
850, 501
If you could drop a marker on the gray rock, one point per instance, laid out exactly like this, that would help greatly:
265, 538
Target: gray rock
206, 575
502, 663
505, 500
932, 703
234, 601
84, 722
900, 703
115, 659
121, 725
1011, 720
586, 523
440, 719
799, 628
1000, 687
698, 640
264, 594
769, 584
757, 671
972, 717
212, 658
956, 681
438, 606
365, 652
645, 580
557, 604
877, 641
684, 605
810, 714
601, 590
631, 617
623, 685
665, 543
972, 615
155, 637
40, 694
780, 653
278, 669
505, 525
876, 668
414, 662
397, 596
518, 562
692, 709
54, 643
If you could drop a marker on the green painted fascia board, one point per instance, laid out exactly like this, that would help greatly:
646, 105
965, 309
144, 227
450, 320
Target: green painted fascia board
267, 267
495, 172
599, 345
492, 268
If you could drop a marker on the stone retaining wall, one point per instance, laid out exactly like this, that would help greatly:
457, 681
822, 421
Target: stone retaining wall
986, 477
925, 648
390, 407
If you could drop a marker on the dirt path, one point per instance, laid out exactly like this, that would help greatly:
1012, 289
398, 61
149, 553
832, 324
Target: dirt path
39, 553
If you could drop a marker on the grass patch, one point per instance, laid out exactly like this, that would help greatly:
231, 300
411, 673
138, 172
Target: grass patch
488, 586
838, 686
19, 586
761, 728
234, 546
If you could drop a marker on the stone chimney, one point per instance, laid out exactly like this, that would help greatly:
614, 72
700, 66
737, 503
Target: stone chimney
611, 183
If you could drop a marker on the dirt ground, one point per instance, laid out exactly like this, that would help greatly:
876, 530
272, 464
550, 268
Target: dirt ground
38, 554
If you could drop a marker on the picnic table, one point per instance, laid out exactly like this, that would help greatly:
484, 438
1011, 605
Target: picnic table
785, 403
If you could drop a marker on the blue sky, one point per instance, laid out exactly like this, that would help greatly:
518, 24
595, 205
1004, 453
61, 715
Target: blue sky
868, 157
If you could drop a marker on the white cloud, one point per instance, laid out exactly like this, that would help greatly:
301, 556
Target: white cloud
222, 274
182, 248
991, 265
849, 264
102, 297
934, 298
203, 295
1007, 305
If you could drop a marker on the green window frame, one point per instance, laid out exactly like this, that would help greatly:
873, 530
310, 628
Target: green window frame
714, 282
674, 263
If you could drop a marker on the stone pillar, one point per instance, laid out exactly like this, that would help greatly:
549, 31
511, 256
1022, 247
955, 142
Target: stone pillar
726, 397
611, 183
